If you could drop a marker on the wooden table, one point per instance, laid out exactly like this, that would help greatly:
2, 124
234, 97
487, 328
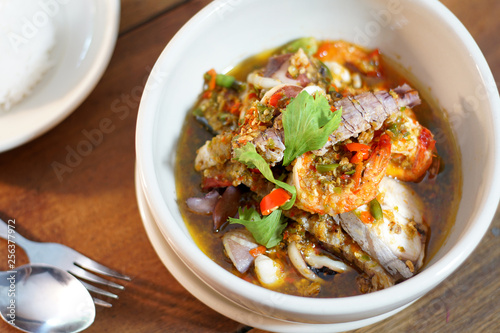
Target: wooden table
93, 208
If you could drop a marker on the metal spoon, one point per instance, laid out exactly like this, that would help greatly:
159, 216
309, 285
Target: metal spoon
38, 298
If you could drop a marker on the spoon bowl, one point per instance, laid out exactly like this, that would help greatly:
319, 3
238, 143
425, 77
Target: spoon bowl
40, 298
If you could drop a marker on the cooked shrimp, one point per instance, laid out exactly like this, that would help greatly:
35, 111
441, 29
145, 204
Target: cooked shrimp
343, 53
413, 148
318, 195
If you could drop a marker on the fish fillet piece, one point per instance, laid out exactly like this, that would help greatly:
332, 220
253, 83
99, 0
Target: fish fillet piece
397, 241
337, 241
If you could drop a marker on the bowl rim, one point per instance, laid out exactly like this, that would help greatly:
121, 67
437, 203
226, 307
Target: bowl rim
413, 288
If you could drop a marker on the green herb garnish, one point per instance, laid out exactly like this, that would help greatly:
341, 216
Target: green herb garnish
248, 155
266, 230
308, 122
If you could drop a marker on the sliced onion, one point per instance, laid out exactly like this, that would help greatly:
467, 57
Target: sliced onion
238, 244
204, 205
262, 82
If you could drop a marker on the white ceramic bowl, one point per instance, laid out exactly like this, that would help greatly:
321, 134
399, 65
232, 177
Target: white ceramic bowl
423, 35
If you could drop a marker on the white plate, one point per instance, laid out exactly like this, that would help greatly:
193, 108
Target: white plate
86, 32
216, 301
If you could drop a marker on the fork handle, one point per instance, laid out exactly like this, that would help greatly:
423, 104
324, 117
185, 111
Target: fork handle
14, 237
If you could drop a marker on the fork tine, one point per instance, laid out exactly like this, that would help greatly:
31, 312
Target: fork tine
98, 290
83, 274
102, 303
96, 267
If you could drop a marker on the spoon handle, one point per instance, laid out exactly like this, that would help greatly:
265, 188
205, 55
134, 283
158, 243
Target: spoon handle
15, 237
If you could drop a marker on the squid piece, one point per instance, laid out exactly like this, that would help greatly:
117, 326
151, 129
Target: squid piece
268, 271
299, 263
397, 241
320, 261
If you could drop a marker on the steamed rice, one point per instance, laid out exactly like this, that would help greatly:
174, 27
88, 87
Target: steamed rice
27, 35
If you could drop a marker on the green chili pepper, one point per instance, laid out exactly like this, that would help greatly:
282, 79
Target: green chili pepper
326, 167
376, 209
394, 129
198, 112
224, 80
223, 116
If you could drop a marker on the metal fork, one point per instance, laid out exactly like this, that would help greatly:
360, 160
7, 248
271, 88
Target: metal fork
66, 258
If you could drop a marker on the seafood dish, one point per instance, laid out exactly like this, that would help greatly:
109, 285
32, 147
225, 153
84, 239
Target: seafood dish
317, 169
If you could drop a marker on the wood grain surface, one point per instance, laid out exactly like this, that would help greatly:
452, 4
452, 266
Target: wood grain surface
92, 206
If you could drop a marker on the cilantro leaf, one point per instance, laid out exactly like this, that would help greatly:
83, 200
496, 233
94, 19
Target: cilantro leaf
266, 230
308, 122
248, 155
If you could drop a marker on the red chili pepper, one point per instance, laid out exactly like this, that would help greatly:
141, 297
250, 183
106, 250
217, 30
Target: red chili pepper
235, 108
360, 156
366, 217
273, 200
374, 55
207, 94
252, 96
213, 75
362, 152
273, 101
354, 146
256, 251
